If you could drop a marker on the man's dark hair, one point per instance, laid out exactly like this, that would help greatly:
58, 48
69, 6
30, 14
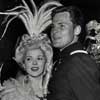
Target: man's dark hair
76, 17
75, 13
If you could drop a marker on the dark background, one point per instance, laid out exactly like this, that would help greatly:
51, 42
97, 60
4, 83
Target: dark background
90, 9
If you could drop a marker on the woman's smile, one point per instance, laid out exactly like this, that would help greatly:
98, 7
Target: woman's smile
35, 68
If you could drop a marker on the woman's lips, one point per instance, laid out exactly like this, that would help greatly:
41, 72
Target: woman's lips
35, 68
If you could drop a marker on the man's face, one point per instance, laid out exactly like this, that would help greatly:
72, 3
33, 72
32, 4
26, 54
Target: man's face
62, 32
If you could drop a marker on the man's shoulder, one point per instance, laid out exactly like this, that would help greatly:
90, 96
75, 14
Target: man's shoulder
79, 61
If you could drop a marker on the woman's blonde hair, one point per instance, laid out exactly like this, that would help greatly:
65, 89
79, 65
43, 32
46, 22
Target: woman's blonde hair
27, 42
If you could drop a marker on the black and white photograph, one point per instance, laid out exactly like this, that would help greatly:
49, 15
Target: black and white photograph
49, 50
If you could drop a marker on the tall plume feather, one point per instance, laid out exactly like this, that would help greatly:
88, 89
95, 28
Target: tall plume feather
35, 20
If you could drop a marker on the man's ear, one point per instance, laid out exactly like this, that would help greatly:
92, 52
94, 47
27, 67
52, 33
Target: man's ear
77, 30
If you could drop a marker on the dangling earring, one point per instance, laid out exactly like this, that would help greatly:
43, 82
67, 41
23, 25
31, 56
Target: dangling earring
23, 66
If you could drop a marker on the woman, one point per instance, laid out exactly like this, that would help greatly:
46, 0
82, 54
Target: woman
33, 48
34, 55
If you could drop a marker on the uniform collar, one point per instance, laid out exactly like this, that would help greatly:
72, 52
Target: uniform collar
75, 46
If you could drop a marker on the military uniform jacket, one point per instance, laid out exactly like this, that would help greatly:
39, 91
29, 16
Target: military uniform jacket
75, 76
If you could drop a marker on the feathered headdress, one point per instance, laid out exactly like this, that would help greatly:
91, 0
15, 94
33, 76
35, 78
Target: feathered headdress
35, 20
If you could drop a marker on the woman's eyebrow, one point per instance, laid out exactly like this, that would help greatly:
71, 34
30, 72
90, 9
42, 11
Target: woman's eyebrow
28, 56
41, 55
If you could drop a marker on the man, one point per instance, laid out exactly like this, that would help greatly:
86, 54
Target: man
74, 75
